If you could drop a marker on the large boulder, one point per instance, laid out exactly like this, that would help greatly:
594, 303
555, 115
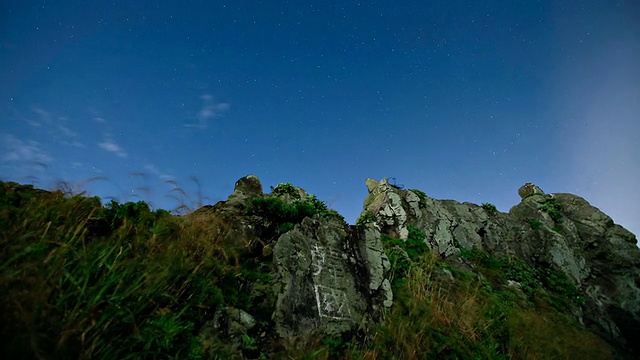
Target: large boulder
246, 188
529, 189
331, 280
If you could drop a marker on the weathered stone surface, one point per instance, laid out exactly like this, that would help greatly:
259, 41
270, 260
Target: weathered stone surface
529, 189
245, 189
448, 224
249, 185
386, 204
561, 231
374, 257
330, 279
612, 259
371, 184
233, 324
413, 202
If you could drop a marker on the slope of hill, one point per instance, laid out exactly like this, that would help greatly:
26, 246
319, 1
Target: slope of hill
280, 275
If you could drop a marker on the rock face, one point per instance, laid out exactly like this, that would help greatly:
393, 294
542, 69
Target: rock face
561, 231
328, 278
289, 272
332, 280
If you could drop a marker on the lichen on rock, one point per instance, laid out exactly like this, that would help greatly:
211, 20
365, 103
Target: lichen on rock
330, 279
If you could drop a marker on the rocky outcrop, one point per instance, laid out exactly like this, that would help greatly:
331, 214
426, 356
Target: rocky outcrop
561, 231
328, 278
245, 189
331, 280
280, 272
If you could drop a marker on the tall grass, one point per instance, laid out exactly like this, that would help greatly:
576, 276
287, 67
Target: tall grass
81, 280
468, 318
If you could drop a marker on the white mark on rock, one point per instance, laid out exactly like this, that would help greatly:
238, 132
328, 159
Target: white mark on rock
317, 259
331, 302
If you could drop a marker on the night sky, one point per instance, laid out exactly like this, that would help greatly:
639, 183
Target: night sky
465, 100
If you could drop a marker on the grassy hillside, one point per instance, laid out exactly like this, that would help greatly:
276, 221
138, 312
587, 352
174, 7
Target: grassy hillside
83, 280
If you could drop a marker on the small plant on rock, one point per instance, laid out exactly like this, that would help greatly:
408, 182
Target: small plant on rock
284, 189
535, 224
365, 218
415, 245
552, 208
421, 194
490, 208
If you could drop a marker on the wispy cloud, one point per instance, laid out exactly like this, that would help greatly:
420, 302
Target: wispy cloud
209, 109
57, 125
77, 144
65, 131
38, 117
154, 170
43, 115
111, 146
23, 151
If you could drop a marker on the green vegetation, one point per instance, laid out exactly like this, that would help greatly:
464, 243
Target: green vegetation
285, 189
284, 208
365, 218
423, 197
551, 207
79, 280
531, 280
490, 208
415, 245
402, 253
471, 318
535, 224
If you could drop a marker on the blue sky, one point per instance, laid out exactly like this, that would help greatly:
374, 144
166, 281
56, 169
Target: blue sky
464, 100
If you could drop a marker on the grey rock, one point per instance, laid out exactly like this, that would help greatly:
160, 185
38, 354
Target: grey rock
529, 189
371, 184
413, 202
443, 275
329, 279
245, 188
374, 257
233, 324
387, 293
249, 185
598, 256
386, 204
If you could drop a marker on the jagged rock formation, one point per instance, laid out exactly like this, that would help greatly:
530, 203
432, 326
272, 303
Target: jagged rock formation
331, 279
274, 275
561, 231
328, 278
